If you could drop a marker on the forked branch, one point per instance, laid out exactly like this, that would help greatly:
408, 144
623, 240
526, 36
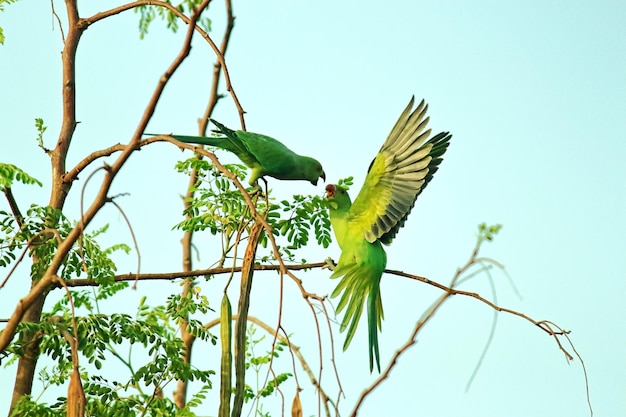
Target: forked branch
101, 198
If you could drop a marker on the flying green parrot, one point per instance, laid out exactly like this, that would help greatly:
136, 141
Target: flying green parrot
398, 174
262, 154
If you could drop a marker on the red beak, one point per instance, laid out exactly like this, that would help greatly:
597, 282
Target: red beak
330, 190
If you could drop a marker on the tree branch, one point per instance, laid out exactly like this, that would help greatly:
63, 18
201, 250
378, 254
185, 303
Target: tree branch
73, 174
48, 277
168, 276
429, 314
451, 291
219, 52
17, 214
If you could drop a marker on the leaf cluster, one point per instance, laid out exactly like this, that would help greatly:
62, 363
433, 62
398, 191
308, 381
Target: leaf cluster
2, 4
295, 219
218, 206
260, 363
41, 230
488, 232
147, 14
10, 173
102, 338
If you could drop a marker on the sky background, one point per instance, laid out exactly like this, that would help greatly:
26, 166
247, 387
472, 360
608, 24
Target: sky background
535, 97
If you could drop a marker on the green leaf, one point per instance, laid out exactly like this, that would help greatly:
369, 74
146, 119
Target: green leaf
10, 173
149, 13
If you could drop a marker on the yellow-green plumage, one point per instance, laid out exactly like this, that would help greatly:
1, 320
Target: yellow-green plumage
400, 171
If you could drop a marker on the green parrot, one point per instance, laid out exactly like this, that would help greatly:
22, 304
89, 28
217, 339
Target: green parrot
262, 154
398, 174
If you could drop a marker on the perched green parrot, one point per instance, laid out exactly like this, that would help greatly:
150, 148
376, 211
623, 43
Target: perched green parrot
262, 154
397, 175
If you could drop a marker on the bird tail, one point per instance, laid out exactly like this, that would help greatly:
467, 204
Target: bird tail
197, 140
200, 140
357, 291
375, 322
229, 142
236, 144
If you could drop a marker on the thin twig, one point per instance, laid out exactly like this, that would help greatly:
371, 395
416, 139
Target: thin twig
332, 358
72, 174
492, 332
81, 249
54, 13
132, 235
15, 209
217, 70
29, 244
584, 370
203, 33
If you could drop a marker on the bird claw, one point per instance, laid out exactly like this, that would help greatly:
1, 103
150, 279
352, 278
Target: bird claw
329, 264
256, 192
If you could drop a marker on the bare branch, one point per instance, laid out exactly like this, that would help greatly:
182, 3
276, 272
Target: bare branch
449, 291
54, 13
73, 174
584, 369
132, 235
452, 291
188, 338
219, 52
217, 70
17, 214
129, 6
168, 276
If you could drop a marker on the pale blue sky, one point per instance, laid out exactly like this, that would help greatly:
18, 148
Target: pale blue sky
535, 96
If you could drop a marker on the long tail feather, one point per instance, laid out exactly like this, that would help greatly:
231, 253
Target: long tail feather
238, 146
356, 290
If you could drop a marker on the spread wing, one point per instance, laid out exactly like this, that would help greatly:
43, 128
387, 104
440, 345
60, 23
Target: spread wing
400, 171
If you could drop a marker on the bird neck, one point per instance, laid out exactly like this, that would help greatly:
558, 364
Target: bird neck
339, 221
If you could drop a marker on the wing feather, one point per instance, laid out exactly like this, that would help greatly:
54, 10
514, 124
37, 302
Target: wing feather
401, 170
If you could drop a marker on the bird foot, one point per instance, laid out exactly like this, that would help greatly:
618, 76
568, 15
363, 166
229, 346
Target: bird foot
329, 264
256, 192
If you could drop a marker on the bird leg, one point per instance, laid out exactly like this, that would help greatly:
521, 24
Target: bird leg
258, 190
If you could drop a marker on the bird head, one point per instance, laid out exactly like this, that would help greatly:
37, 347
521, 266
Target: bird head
316, 172
337, 196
